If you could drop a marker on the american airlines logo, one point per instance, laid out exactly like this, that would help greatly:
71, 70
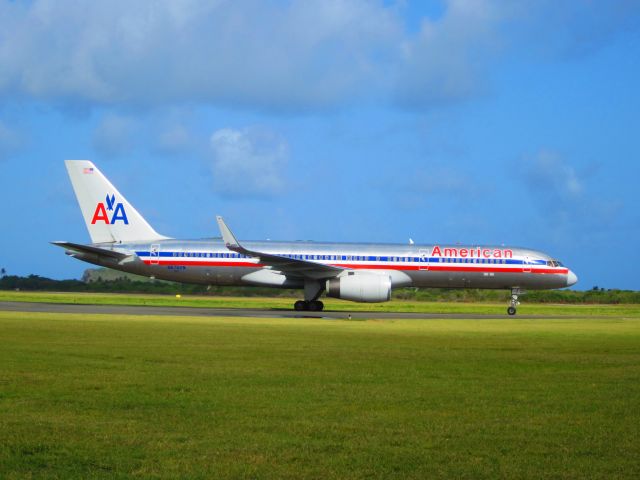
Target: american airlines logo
101, 214
476, 252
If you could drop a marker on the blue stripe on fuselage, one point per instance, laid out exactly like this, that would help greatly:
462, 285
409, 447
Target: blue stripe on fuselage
340, 257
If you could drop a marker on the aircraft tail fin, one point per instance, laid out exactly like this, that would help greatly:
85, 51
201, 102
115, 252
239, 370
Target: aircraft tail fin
108, 215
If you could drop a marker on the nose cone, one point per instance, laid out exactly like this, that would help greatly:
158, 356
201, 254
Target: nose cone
572, 278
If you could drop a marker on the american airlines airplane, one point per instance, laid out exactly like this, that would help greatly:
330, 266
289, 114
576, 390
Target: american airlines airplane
361, 272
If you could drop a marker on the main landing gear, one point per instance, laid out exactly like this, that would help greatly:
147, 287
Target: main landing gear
310, 305
312, 290
514, 300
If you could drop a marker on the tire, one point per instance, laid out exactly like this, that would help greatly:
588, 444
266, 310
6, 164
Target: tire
511, 310
316, 306
300, 306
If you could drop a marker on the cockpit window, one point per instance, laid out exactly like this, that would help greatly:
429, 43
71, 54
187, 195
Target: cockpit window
554, 263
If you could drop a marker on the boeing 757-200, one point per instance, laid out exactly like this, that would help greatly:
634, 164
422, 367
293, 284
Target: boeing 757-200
361, 272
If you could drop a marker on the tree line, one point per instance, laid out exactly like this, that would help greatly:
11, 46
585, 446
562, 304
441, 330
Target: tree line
129, 285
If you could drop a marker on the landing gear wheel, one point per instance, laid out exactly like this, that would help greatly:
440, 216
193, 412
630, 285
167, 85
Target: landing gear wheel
316, 305
311, 305
515, 291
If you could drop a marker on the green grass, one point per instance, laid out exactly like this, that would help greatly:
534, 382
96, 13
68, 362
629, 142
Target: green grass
330, 304
99, 396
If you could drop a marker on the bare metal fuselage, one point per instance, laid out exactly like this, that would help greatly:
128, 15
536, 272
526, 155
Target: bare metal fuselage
124, 240
210, 262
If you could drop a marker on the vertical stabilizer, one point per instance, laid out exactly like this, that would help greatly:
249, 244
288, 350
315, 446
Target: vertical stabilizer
108, 215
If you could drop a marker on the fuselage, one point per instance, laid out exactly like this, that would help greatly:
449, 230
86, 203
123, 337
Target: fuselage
361, 272
210, 262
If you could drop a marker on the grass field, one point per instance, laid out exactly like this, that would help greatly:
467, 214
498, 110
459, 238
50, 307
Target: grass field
330, 304
99, 396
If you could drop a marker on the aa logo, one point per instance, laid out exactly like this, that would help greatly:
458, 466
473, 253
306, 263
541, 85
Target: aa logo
101, 215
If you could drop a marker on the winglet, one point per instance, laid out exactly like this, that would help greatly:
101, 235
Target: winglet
227, 237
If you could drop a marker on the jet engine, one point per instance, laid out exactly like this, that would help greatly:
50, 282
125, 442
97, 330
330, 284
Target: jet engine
360, 287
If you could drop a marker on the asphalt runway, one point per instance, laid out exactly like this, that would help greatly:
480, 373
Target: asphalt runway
243, 312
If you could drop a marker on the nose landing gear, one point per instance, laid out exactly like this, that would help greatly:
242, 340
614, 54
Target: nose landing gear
514, 300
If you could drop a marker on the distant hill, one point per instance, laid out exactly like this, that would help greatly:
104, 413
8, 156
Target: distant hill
108, 275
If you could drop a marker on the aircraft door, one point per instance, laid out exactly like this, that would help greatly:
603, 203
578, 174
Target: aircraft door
424, 259
154, 253
526, 268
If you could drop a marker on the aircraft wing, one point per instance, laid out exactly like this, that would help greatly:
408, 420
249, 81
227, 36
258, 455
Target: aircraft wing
286, 265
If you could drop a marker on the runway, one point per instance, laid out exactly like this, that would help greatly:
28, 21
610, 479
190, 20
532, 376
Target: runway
243, 312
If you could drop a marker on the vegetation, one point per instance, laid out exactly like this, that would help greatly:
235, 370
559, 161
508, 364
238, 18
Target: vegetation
286, 303
100, 396
124, 283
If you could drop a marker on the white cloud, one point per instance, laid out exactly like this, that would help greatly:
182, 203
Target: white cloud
294, 55
562, 194
548, 173
114, 135
249, 162
445, 61
451, 58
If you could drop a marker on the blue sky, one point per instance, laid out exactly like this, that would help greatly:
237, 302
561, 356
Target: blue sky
472, 121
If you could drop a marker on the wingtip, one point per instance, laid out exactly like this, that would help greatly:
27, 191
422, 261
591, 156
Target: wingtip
228, 237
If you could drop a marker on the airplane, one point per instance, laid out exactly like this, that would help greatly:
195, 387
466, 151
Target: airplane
122, 239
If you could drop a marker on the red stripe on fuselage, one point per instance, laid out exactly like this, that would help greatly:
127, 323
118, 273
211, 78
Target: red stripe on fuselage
439, 268
435, 268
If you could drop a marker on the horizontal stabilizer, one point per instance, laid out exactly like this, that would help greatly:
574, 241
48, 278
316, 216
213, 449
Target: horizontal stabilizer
79, 248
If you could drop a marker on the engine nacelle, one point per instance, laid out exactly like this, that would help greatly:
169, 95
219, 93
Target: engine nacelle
360, 287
